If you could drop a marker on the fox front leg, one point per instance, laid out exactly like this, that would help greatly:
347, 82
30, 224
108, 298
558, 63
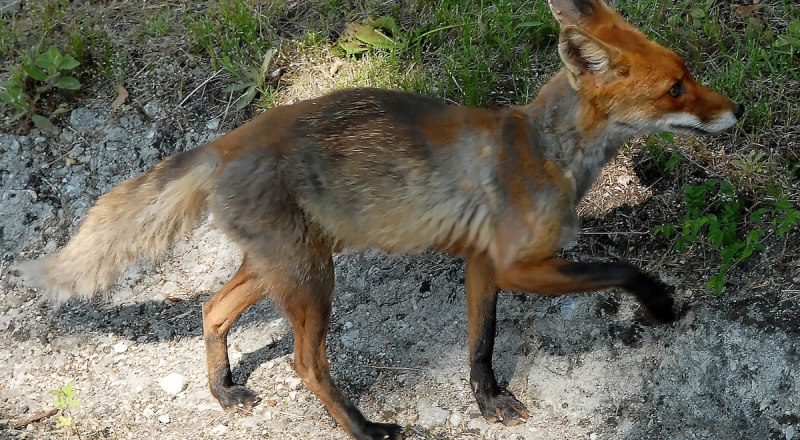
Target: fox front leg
496, 403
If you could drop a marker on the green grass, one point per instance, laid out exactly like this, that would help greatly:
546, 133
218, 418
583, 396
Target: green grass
235, 35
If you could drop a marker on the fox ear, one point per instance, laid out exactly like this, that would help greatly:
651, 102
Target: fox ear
584, 54
572, 12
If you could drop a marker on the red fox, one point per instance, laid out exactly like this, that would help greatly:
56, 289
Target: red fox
368, 168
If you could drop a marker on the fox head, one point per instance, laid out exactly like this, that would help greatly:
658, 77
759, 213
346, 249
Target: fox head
630, 81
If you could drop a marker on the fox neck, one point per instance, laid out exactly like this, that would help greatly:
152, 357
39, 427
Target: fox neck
581, 152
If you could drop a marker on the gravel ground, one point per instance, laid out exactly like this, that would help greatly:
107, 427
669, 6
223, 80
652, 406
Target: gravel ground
588, 367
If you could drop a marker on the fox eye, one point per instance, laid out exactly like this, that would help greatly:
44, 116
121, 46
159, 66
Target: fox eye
676, 90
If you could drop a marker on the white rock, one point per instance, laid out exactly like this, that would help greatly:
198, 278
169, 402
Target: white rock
122, 295
219, 430
455, 420
120, 347
431, 415
593, 436
248, 422
478, 425
294, 383
163, 419
172, 384
789, 434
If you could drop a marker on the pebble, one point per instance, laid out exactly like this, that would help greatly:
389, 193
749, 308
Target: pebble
478, 425
593, 436
294, 383
122, 295
152, 109
172, 384
455, 420
83, 117
163, 419
430, 414
120, 347
219, 430
789, 434
248, 422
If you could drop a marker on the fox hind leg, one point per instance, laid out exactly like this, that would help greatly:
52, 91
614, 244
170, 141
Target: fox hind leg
308, 306
219, 314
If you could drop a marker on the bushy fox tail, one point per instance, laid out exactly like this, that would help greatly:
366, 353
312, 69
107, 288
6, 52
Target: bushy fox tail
140, 218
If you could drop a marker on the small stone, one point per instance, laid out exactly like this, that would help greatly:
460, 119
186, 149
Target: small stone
248, 422
292, 395
272, 402
172, 384
455, 420
593, 436
163, 419
789, 433
10, 7
152, 109
213, 124
219, 430
120, 347
148, 411
122, 295
294, 383
430, 414
478, 425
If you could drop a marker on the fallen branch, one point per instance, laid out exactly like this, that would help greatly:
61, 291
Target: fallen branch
35, 418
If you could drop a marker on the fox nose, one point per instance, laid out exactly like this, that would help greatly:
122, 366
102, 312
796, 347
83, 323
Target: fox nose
738, 110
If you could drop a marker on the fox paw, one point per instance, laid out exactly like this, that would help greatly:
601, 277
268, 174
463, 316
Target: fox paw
236, 397
503, 408
379, 431
660, 302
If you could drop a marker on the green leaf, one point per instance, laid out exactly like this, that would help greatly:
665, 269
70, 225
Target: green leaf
388, 24
68, 82
34, 72
68, 63
698, 13
528, 24
246, 98
788, 40
46, 62
666, 230
716, 283
673, 162
42, 122
667, 137
794, 28
374, 37
381, 33
759, 213
238, 86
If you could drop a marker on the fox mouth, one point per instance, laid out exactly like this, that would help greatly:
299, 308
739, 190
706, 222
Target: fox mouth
692, 130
